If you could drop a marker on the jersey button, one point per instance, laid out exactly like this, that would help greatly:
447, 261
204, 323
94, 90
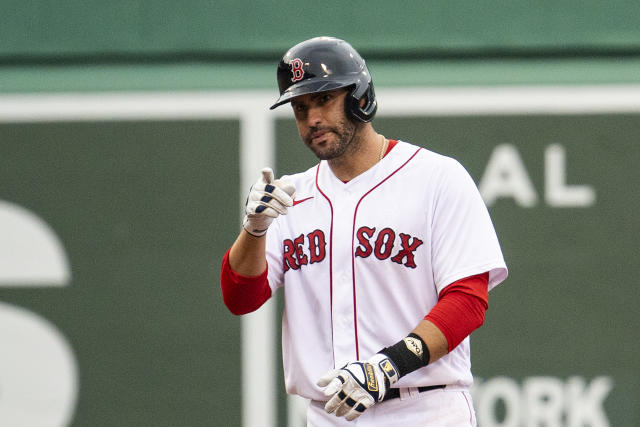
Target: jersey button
344, 322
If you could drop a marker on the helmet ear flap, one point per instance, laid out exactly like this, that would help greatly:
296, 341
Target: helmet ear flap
362, 108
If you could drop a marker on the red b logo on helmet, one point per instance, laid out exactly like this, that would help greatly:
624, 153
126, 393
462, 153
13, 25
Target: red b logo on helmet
296, 70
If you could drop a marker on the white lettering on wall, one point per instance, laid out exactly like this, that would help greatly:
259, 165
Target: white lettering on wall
38, 370
506, 176
541, 401
487, 395
30, 252
557, 193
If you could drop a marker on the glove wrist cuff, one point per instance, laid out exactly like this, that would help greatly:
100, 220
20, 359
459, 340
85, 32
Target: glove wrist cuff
251, 229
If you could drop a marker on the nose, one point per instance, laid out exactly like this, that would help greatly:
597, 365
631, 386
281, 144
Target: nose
314, 116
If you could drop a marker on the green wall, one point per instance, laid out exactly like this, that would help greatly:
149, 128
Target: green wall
55, 30
137, 207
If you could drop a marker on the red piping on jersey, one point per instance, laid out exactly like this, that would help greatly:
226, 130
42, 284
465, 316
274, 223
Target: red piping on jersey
353, 258
330, 263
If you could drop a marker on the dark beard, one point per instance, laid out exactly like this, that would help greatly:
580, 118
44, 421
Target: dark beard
346, 140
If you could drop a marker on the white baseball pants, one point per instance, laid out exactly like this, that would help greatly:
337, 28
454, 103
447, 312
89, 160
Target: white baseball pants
434, 408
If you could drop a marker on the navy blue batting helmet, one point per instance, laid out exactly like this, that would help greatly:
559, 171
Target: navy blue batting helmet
326, 63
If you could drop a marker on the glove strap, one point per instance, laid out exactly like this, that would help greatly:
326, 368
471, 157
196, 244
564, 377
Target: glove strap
389, 369
248, 227
408, 354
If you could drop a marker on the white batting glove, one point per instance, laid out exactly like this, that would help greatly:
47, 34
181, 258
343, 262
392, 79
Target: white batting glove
358, 385
267, 199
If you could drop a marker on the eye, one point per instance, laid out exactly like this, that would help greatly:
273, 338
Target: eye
325, 98
299, 111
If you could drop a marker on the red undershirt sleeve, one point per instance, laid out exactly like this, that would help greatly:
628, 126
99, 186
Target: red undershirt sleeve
461, 308
243, 294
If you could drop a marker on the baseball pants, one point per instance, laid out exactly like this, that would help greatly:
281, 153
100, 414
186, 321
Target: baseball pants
434, 408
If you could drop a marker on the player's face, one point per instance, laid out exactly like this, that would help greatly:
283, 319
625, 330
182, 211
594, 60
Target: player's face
323, 124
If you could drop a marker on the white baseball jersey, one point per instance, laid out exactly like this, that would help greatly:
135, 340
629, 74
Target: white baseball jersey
361, 263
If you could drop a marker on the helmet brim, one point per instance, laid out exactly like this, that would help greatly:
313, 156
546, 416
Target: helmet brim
314, 85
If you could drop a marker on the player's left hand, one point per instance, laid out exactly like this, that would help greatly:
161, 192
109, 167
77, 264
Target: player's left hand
357, 386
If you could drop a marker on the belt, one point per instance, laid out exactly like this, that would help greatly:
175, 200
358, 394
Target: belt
393, 393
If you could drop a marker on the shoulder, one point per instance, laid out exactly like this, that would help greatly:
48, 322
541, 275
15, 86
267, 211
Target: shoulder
438, 175
436, 163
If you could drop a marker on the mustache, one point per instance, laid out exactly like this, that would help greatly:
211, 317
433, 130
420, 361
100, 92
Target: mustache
314, 129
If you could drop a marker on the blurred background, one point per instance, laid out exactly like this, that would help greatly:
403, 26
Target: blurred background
130, 131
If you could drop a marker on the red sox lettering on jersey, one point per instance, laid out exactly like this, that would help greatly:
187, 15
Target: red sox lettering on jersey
309, 249
384, 245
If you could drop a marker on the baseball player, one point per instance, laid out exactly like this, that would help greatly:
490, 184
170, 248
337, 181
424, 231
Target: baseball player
385, 252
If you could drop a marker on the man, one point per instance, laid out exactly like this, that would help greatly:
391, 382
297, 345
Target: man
385, 251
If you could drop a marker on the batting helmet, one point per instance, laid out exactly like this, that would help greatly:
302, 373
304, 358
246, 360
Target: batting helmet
326, 63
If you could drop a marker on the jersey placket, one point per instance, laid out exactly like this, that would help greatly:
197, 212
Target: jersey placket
343, 297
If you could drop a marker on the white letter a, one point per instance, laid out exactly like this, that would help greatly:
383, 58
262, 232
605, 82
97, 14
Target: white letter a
506, 176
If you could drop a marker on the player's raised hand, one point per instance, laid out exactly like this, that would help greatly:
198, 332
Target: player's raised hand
358, 385
267, 199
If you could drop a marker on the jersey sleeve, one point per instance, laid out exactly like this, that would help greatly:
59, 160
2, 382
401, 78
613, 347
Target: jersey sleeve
242, 294
464, 241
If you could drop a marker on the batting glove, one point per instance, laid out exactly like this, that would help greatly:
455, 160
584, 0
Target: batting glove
267, 199
358, 385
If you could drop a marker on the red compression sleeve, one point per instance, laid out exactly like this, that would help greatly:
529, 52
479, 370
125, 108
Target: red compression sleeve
461, 308
242, 294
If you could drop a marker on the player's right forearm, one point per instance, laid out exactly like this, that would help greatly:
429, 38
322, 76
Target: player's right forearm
248, 255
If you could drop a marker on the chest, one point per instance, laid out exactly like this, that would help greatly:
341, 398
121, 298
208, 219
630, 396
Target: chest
383, 224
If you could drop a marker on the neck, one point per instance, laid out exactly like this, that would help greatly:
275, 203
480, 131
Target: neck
366, 151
